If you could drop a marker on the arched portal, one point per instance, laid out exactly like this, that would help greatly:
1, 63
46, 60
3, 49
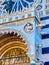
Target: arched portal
13, 49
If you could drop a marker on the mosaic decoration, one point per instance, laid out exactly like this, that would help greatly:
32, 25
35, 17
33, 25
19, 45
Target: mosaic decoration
16, 5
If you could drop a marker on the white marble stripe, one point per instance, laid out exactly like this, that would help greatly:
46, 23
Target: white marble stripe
45, 57
45, 30
45, 43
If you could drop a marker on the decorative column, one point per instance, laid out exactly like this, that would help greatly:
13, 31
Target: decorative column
38, 45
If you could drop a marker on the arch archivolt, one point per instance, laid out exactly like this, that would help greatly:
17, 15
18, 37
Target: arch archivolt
12, 40
12, 44
12, 48
13, 30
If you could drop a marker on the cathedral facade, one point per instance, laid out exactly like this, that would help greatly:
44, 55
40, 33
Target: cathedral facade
21, 32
